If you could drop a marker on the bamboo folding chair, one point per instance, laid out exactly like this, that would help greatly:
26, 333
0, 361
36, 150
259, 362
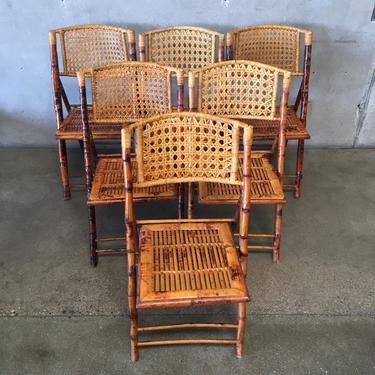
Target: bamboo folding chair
279, 46
186, 262
182, 47
121, 94
82, 47
247, 91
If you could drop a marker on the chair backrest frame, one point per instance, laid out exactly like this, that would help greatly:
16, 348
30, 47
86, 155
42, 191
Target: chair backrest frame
233, 38
155, 46
88, 144
242, 73
59, 95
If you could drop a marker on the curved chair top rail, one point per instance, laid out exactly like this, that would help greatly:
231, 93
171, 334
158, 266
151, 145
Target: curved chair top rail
184, 47
277, 45
130, 91
90, 45
186, 147
240, 89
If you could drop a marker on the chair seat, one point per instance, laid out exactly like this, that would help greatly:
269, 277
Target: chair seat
265, 185
267, 129
71, 127
188, 263
108, 185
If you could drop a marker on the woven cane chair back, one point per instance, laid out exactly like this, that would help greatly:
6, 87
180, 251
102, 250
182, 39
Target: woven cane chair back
87, 46
187, 147
131, 91
182, 47
238, 89
274, 45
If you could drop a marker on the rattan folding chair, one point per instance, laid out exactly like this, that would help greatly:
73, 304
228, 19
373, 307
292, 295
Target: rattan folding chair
186, 262
82, 47
279, 46
247, 91
121, 94
182, 47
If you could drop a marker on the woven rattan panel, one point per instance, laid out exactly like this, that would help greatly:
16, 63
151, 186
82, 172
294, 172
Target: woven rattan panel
182, 147
265, 185
182, 48
108, 184
273, 46
189, 260
268, 129
131, 92
238, 90
91, 47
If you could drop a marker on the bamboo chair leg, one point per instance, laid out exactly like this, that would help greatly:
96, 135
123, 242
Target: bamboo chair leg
299, 167
277, 233
92, 236
241, 317
63, 161
133, 314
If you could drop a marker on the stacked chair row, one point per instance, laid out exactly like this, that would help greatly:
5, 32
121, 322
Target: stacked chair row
170, 154
187, 48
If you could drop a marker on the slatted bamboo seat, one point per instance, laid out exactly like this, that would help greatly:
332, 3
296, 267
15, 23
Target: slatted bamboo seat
71, 127
279, 46
108, 185
82, 47
121, 93
186, 262
182, 47
248, 91
183, 262
266, 129
265, 185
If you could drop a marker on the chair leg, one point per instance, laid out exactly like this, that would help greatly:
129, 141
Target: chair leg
277, 233
133, 314
64, 173
299, 167
241, 319
92, 236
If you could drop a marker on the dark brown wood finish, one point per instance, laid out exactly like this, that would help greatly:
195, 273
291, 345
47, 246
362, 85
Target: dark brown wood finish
304, 107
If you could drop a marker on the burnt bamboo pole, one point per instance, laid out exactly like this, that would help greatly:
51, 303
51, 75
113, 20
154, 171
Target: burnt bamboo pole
180, 108
277, 233
142, 48
229, 46
304, 107
245, 199
130, 242
186, 325
88, 160
244, 232
132, 48
56, 90
283, 120
187, 341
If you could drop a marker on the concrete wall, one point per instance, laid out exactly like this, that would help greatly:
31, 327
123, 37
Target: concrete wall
342, 108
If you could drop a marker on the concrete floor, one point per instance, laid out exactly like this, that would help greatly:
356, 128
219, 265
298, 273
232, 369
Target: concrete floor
314, 313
